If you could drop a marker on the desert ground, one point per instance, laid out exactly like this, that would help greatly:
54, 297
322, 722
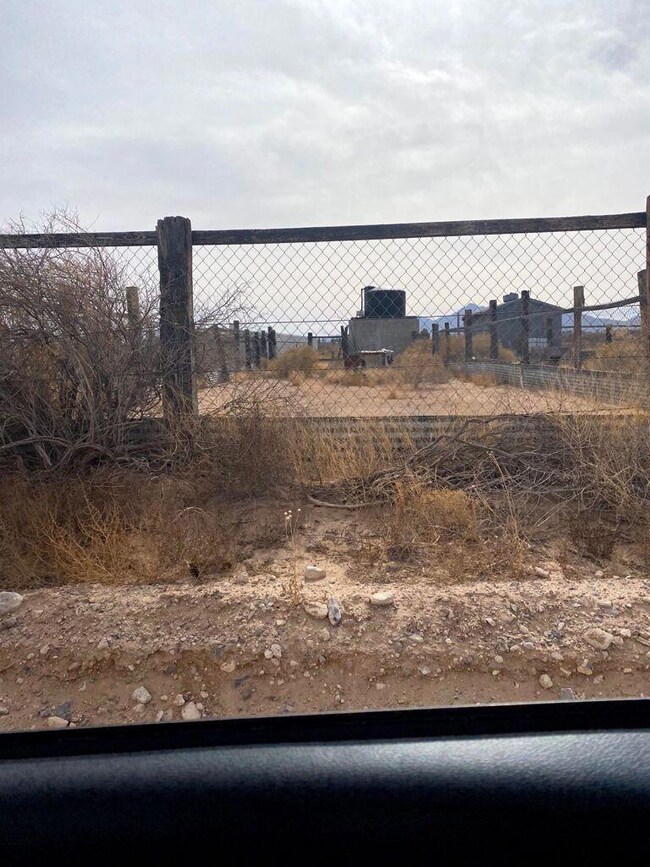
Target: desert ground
259, 640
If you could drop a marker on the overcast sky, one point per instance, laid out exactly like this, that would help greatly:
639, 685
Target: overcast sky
306, 112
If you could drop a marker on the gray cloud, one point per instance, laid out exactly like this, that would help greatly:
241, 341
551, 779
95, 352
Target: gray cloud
286, 112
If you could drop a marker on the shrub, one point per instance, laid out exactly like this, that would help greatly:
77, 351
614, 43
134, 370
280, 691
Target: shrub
300, 359
416, 365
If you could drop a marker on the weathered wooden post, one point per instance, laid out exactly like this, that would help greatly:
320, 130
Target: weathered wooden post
273, 346
467, 321
248, 355
257, 353
310, 339
174, 236
494, 333
609, 334
236, 338
525, 327
263, 344
578, 304
645, 294
435, 338
447, 342
644, 306
133, 309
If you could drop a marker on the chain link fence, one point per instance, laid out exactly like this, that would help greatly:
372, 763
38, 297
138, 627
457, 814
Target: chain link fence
427, 320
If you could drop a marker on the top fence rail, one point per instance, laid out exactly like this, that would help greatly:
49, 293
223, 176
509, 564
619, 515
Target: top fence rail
226, 237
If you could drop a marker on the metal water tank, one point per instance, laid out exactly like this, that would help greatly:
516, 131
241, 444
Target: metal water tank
384, 303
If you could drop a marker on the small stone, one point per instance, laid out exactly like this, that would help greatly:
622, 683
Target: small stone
160, 715
382, 599
103, 644
190, 711
528, 645
498, 659
57, 722
316, 609
334, 613
268, 654
203, 694
280, 622
567, 694
45, 649
490, 621
598, 638
599, 679
617, 641
10, 601
314, 573
598, 574
141, 694
586, 669
416, 639
545, 681
199, 706
625, 633
3, 710
325, 634
179, 701
276, 651
64, 710
8, 622
380, 686
541, 573
425, 670
229, 666
514, 648
240, 577
627, 671
557, 656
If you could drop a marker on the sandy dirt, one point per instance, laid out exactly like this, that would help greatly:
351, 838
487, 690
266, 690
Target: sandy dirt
319, 398
241, 645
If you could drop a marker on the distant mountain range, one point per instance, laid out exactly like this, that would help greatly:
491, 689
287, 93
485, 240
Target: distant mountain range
589, 320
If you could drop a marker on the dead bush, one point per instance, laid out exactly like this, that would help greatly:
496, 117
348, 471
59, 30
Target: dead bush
480, 349
417, 366
301, 359
626, 354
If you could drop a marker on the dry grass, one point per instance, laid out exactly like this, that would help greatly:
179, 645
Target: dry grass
416, 366
480, 349
301, 359
624, 354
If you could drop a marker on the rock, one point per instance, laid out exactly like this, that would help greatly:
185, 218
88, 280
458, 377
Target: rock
57, 722
10, 601
334, 612
625, 633
567, 694
586, 668
141, 694
627, 671
3, 710
229, 666
45, 649
179, 700
190, 711
618, 641
541, 573
425, 670
598, 638
8, 622
240, 577
506, 617
325, 634
598, 574
316, 609
490, 621
64, 710
545, 681
276, 651
268, 654
382, 599
498, 659
416, 639
103, 644
314, 573
160, 715
528, 645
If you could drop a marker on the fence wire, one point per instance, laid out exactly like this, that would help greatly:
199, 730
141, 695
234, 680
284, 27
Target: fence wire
305, 294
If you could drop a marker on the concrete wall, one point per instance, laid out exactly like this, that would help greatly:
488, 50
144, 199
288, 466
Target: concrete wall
395, 334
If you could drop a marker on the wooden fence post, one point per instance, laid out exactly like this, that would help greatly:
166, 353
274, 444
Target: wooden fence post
257, 354
435, 338
494, 332
467, 321
236, 341
525, 327
645, 294
578, 303
273, 346
263, 345
609, 335
174, 236
310, 339
133, 308
447, 342
247, 349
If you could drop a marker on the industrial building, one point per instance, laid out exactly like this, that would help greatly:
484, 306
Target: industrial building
544, 323
382, 322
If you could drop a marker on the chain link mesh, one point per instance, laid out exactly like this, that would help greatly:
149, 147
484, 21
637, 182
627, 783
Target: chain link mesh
307, 292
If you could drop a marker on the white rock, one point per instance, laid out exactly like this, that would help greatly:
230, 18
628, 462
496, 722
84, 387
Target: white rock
190, 711
599, 573
325, 634
598, 638
229, 666
498, 659
103, 644
541, 573
268, 654
10, 601
425, 670
314, 573
160, 715
316, 609
179, 701
45, 649
567, 694
4, 710
141, 694
382, 598
416, 639
276, 651
545, 681
57, 722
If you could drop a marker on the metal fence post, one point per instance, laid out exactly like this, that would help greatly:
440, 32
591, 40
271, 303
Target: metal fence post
310, 338
273, 346
578, 303
257, 354
525, 327
236, 340
174, 239
494, 333
447, 342
263, 344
